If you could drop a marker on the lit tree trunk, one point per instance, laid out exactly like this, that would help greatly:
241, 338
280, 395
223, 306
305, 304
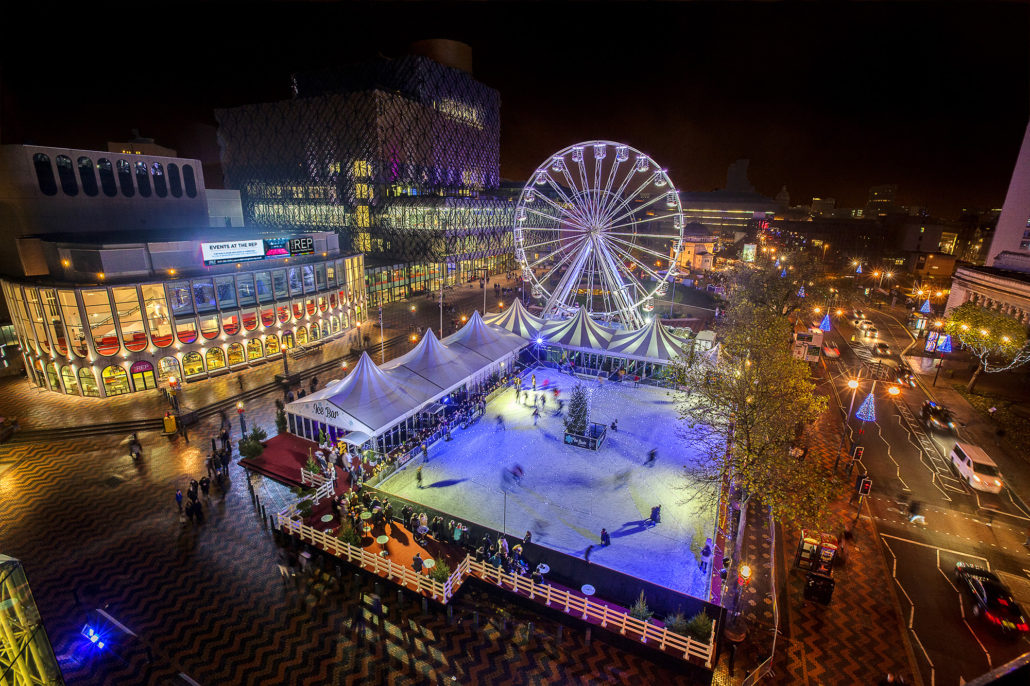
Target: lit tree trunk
976, 375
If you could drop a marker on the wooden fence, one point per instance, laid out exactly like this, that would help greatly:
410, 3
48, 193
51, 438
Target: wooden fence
583, 607
325, 486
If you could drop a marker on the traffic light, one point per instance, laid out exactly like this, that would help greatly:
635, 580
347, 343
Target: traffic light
859, 452
865, 486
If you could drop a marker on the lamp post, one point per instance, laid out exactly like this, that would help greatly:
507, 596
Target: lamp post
243, 421
286, 362
483, 284
853, 385
940, 358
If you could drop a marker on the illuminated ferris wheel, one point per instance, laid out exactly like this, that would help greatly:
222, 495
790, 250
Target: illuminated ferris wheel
599, 225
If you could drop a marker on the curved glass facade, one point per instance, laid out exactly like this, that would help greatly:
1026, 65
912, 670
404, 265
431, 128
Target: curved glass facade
102, 341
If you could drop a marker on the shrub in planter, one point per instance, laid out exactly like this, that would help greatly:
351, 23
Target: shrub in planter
250, 447
699, 627
280, 421
440, 572
305, 507
640, 610
677, 623
347, 534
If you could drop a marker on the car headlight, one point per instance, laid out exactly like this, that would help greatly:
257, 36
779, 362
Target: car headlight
976, 478
997, 483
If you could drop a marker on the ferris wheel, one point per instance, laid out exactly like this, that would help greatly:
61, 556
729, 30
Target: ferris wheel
599, 225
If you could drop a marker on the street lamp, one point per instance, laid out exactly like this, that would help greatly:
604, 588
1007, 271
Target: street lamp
853, 385
286, 362
243, 421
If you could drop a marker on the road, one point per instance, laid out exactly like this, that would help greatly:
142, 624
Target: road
906, 462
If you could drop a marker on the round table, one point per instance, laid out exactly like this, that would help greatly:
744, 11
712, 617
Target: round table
382, 541
588, 591
327, 518
542, 568
428, 564
365, 516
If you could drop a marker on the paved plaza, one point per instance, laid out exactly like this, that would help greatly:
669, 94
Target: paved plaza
568, 494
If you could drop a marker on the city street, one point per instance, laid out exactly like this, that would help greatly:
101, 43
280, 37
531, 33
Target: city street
906, 463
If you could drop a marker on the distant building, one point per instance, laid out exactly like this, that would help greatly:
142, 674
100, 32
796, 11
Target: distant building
732, 210
697, 250
783, 199
931, 266
882, 201
140, 146
823, 207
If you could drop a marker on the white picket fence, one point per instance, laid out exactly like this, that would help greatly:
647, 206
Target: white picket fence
325, 486
582, 606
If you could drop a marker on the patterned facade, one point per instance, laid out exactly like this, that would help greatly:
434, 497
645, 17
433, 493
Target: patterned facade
397, 155
100, 341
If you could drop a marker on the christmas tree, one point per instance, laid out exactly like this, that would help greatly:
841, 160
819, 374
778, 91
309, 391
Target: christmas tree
576, 419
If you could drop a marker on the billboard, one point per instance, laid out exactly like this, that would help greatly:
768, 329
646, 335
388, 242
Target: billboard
747, 254
232, 251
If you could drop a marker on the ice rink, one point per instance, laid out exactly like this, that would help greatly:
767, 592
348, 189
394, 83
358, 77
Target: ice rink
568, 494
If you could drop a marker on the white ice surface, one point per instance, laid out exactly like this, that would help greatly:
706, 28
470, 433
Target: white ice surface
568, 494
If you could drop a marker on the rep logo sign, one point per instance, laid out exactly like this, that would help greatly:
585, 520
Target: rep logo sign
302, 245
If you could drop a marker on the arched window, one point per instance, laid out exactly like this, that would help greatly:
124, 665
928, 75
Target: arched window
73, 320
143, 178
160, 187
174, 183
68, 376
116, 381
167, 367
125, 179
106, 171
283, 312
192, 364
209, 327
249, 319
288, 339
66, 173
231, 323
267, 317
254, 349
130, 318
101, 321
88, 177
88, 383
55, 381
186, 330
271, 345
332, 300
215, 359
157, 314
316, 331
302, 335
237, 355
298, 309
334, 323
189, 181
44, 174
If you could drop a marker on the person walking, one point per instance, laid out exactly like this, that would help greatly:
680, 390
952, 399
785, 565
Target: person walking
536, 415
178, 499
528, 538
652, 455
205, 486
606, 539
706, 556
418, 476
425, 451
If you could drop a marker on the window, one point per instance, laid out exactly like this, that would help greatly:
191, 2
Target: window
287, 339
167, 367
209, 327
160, 187
101, 321
157, 314
267, 317
225, 291
52, 317
143, 178
44, 174
190, 182
88, 382
71, 387
88, 177
34, 315
302, 335
186, 330
245, 289
362, 168
283, 313
323, 303
320, 277
316, 331
130, 318
192, 364
237, 355
230, 323
204, 295
334, 323
295, 283
298, 309
254, 349
55, 381
264, 286
116, 381
125, 178
215, 359
179, 297
332, 300
106, 172
174, 183
271, 345
310, 306
330, 272
76, 336
249, 319
279, 284
66, 173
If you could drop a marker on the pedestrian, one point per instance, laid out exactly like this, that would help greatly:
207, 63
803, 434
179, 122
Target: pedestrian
416, 563
500, 424
615, 425
193, 491
536, 415
528, 538
606, 539
239, 380
425, 451
503, 543
224, 436
178, 501
652, 455
189, 511
586, 553
210, 462
314, 383
706, 555
205, 486
289, 396
914, 508
656, 515
418, 476
534, 383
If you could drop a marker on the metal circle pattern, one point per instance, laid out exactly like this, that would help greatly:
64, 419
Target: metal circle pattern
599, 225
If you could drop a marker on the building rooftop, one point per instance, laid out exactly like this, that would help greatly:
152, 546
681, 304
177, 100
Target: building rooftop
1001, 273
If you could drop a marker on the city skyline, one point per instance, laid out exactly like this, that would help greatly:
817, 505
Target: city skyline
827, 101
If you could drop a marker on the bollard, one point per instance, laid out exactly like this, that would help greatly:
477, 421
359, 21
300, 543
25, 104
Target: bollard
475, 618
588, 634
561, 632
425, 606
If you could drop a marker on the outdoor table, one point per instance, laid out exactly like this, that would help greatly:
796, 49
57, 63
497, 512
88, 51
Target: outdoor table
588, 591
543, 568
382, 541
428, 564
327, 518
365, 516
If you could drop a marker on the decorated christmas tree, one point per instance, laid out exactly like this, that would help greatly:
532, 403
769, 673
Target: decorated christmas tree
576, 419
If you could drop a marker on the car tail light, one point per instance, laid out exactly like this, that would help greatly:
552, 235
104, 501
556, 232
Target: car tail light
1022, 627
993, 618
1002, 601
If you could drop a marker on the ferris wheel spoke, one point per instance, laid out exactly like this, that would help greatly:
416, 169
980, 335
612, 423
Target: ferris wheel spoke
621, 281
644, 220
649, 251
532, 246
640, 235
572, 251
566, 212
608, 184
621, 201
571, 276
647, 204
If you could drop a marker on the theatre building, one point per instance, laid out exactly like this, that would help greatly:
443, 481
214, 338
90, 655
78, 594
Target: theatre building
116, 314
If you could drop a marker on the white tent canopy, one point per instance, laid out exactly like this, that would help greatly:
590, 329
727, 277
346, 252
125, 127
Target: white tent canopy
652, 343
580, 332
518, 320
434, 363
492, 343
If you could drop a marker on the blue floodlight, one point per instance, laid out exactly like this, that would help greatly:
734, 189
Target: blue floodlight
801, 292
783, 273
944, 343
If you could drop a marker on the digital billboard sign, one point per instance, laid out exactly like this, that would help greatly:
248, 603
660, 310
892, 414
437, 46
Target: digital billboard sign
256, 249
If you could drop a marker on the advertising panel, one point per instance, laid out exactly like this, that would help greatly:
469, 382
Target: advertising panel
749, 251
232, 251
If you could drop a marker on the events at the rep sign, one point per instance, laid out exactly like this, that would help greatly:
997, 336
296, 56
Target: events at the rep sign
256, 249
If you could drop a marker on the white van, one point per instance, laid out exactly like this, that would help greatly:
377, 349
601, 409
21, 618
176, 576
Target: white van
976, 467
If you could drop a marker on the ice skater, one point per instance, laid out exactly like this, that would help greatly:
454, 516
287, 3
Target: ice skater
500, 424
606, 538
536, 415
615, 425
656, 515
418, 476
652, 455
534, 383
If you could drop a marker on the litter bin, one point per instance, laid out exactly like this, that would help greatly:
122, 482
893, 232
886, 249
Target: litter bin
819, 587
169, 424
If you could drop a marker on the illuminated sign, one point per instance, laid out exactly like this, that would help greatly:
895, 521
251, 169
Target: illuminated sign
232, 251
749, 251
302, 245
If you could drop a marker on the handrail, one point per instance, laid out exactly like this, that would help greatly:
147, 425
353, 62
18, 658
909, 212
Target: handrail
766, 666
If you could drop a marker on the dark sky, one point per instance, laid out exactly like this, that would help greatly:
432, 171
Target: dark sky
827, 98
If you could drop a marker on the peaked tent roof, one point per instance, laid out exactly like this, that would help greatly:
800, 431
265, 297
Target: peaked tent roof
433, 362
367, 399
492, 343
518, 320
652, 342
580, 332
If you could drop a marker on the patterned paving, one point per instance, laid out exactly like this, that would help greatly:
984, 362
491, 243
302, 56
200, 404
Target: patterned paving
95, 530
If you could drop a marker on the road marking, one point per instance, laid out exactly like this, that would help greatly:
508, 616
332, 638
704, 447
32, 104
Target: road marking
912, 610
934, 547
987, 654
948, 579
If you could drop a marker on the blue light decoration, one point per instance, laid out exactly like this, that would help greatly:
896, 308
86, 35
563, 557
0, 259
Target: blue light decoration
94, 637
859, 270
925, 309
801, 292
825, 323
783, 273
867, 411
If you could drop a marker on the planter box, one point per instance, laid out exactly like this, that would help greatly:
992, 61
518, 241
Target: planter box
596, 433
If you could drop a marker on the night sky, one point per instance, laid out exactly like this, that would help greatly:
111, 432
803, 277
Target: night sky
824, 98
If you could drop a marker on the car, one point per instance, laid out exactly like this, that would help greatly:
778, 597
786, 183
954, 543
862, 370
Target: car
871, 332
991, 598
903, 376
936, 416
858, 315
831, 350
882, 348
865, 324
976, 467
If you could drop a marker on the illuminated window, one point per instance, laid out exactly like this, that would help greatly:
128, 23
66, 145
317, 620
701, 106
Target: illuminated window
192, 364
160, 187
186, 330
143, 179
254, 349
71, 387
236, 354
361, 217
167, 367
362, 169
363, 191
271, 345
116, 381
88, 383
125, 178
215, 359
